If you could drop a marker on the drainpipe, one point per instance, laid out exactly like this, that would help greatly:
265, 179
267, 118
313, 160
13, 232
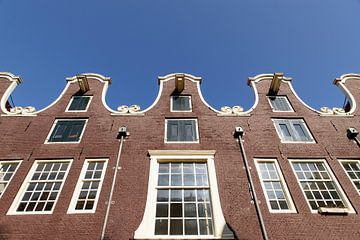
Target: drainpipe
239, 132
122, 133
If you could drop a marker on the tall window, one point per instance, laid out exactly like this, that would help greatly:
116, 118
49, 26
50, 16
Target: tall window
183, 200
292, 130
280, 104
183, 204
180, 103
319, 185
181, 130
79, 104
88, 188
7, 171
66, 130
273, 184
352, 168
41, 187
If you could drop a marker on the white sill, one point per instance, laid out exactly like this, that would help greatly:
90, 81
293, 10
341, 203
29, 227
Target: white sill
181, 141
180, 237
306, 142
61, 142
31, 213
333, 210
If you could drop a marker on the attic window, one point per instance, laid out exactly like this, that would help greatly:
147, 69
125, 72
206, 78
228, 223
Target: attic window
79, 104
180, 103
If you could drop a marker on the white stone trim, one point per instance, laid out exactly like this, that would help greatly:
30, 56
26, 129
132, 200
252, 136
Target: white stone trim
19, 195
146, 229
349, 207
287, 194
78, 187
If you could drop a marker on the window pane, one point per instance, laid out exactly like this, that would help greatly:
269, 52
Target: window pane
161, 227
320, 192
185, 206
191, 227
181, 103
79, 103
176, 227
39, 196
280, 103
181, 130
67, 131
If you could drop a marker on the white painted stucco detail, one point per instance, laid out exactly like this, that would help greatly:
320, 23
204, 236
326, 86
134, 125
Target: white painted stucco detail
340, 82
146, 229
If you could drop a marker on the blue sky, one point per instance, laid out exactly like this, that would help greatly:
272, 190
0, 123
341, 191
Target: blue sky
225, 42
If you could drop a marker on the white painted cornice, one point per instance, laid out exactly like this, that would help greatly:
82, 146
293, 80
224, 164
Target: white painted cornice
11, 77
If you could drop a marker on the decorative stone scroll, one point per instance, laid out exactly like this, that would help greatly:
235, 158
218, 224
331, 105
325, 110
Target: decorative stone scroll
335, 111
22, 110
127, 109
233, 110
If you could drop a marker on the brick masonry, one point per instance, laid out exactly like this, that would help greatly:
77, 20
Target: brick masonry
23, 137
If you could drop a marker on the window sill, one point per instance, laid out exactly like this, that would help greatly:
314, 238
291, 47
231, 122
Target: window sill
333, 211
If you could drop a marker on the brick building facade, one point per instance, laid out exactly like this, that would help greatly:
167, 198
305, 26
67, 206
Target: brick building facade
180, 169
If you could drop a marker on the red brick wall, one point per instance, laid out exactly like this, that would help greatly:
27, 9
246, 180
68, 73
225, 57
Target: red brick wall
23, 138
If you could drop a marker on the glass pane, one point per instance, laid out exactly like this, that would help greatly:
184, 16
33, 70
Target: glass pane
189, 195
162, 210
285, 131
205, 227
176, 180
161, 227
190, 209
176, 195
176, 227
191, 227
163, 195
163, 180
189, 180
175, 210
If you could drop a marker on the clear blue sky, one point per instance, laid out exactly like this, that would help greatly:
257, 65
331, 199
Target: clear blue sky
225, 42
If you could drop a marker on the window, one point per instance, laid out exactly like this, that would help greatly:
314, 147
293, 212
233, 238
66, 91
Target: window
280, 104
79, 104
180, 104
183, 200
181, 130
41, 188
352, 168
272, 181
7, 171
88, 188
319, 185
66, 130
292, 130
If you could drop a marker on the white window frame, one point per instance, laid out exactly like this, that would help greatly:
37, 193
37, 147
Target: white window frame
21, 192
347, 209
172, 104
285, 189
341, 161
8, 181
180, 119
287, 101
79, 184
146, 229
306, 128
72, 99
67, 119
